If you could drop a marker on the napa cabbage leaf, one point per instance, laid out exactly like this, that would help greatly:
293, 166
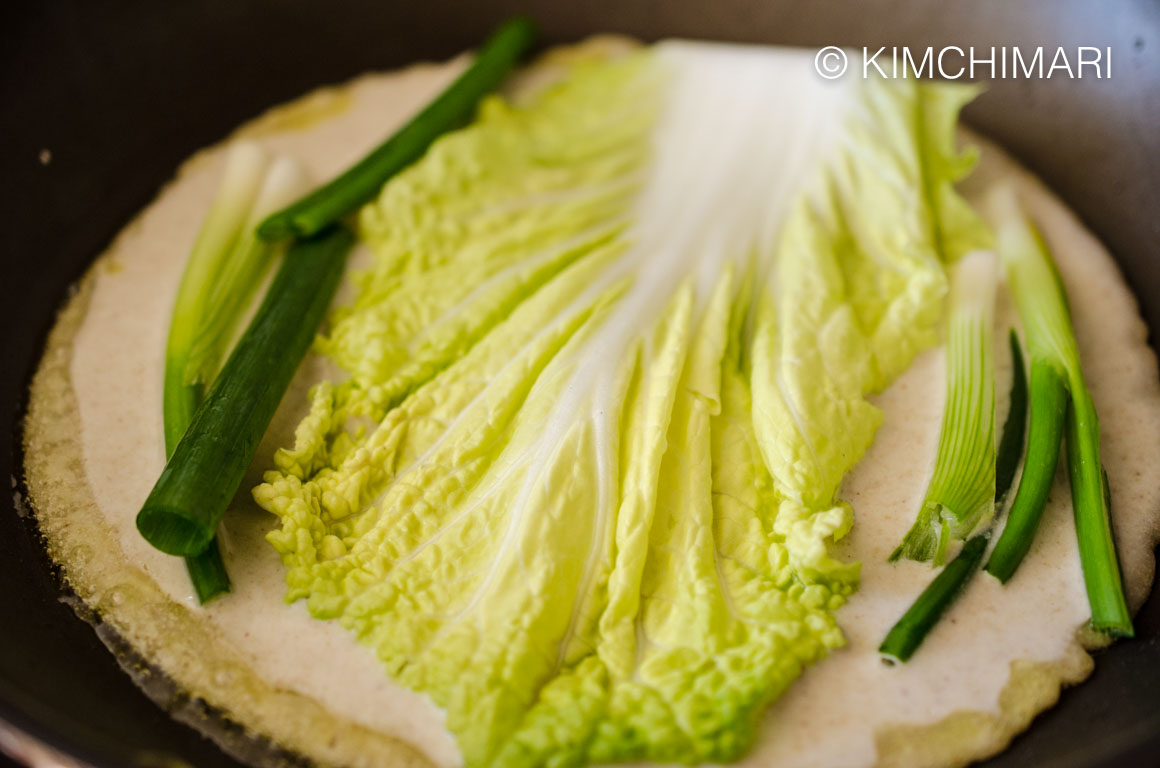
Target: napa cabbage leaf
607, 370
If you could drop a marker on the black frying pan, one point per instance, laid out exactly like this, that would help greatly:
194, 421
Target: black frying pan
120, 92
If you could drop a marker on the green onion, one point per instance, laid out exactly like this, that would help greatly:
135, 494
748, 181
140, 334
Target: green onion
451, 109
1015, 426
241, 273
221, 275
244, 171
207, 460
905, 637
200, 479
1048, 408
208, 573
1092, 500
961, 493
1042, 303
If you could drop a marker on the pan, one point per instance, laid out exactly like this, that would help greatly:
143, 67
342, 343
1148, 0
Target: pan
101, 102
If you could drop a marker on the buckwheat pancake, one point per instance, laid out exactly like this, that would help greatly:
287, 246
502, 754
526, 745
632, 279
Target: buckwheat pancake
94, 446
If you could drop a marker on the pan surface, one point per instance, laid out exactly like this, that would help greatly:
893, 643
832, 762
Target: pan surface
100, 102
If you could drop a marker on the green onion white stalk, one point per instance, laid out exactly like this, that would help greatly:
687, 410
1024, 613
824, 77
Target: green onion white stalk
245, 170
1060, 402
961, 493
242, 272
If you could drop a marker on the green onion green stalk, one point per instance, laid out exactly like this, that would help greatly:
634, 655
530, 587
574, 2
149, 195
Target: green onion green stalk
183, 510
451, 109
1015, 426
909, 632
